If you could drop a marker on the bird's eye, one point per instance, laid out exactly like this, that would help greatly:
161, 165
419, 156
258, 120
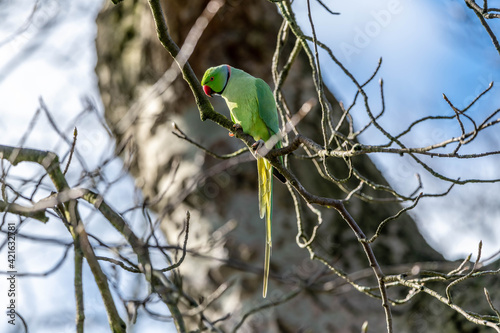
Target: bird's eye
212, 78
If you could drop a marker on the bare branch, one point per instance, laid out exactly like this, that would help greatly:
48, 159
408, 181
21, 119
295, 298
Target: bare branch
483, 14
448, 288
182, 135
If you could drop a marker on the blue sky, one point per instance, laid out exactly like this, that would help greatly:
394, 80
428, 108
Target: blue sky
428, 48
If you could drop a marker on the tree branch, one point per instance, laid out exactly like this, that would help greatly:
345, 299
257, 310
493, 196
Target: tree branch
50, 162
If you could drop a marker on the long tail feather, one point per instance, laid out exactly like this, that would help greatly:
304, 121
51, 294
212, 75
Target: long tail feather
265, 176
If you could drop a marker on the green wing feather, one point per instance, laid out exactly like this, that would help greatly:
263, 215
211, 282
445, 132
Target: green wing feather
267, 106
267, 109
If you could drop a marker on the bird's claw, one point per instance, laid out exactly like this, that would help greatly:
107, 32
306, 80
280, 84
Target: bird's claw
257, 148
236, 127
258, 144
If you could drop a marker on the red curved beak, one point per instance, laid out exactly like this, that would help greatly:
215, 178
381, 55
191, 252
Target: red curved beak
208, 91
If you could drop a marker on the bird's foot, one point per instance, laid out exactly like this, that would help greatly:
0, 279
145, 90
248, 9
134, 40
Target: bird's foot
236, 127
259, 149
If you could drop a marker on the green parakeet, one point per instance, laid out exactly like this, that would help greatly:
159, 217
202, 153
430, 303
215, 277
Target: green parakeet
252, 107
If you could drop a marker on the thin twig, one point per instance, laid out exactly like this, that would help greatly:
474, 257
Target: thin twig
72, 150
490, 303
266, 305
181, 135
392, 218
482, 15
468, 275
444, 300
181, 259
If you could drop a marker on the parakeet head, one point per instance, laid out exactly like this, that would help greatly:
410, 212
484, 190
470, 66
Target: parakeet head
215, 79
